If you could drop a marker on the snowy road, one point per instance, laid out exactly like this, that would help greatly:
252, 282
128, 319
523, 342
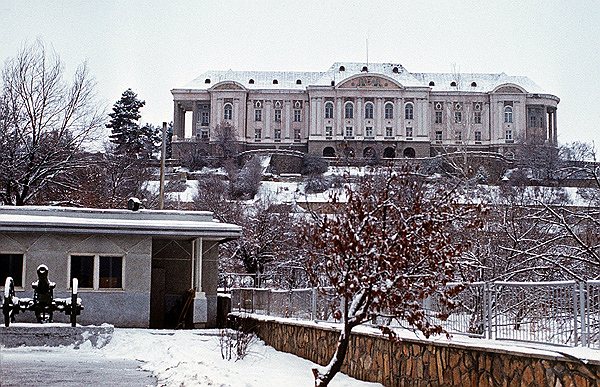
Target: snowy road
175, 358
51, 366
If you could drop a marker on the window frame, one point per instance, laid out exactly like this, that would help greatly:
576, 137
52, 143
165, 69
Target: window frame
257, 134
228, 111
22, 274
297, 115
349, 132
508, 115
409, 131
369, 110
96, 271
329, 131
477, 117
349, 110
439, 117
277, 115
369, 131
328, 110
388, 111
457, 117
258, 115
409, 111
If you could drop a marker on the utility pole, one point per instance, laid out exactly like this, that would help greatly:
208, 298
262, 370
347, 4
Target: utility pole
163, 156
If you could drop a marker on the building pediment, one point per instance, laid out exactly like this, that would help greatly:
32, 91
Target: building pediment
228, 86
370, 82
509, 88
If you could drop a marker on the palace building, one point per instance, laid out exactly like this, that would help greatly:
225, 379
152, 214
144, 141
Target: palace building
367, 110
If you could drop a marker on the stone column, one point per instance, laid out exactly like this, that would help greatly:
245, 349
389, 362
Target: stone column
377, 117
555, 129
309, 112
195, 119
360, 117
339, 118
267, 118
178, 131
237, 122
288, 119
319, 128
249, 119
549, 129
399, 116
199, 318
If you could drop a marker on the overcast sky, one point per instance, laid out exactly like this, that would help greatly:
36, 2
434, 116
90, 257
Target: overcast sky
153, 46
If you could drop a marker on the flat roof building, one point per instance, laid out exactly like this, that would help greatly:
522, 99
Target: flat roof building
133, 267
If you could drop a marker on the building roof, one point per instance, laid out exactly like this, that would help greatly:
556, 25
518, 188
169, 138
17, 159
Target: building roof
296, 80
164, 223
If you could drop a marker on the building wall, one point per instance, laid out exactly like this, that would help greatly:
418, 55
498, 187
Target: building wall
129, 306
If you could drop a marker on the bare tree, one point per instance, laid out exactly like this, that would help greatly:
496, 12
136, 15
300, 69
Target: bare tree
390, 246
44, 122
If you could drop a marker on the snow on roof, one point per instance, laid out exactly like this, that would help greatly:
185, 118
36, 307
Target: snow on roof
96, 221
339, 71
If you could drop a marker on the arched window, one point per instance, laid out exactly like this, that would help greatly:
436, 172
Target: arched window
349, 110
342, 68
408, 111
328, 109
251, 81
389, 111
368, 111
389, 153
409, 153
328, 152
227, 112
364, 69
453, 84
395, 70
275, 81
369, 153
508, 114
207, 80
473, 84
431, 83
298, 81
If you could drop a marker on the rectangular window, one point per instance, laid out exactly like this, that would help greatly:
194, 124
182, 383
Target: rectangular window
458, 135
328, 131
257, 135
277, 115
438, 117
349, 131
97, 272
477, 118
297, 135
205, 120
11, 265
258, 115
297, 115
277, 135
389, 131
204, 134
369, 131
477, 135
457, 117
409, 132
438, 135
111, 272
82, 268
508, 134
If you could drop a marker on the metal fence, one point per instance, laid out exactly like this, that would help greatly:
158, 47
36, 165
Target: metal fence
560, 313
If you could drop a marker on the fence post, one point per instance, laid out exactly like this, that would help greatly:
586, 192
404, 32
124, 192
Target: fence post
582, 308
252, 300
487, 289
269, 302
313, 306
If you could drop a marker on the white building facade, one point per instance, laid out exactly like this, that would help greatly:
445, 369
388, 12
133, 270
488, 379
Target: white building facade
367, 110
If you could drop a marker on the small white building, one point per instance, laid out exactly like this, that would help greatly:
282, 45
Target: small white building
134, 267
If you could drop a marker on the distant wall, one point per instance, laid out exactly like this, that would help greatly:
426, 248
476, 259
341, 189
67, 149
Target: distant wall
423, 363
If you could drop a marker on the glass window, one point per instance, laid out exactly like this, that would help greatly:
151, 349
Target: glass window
477, 117
477, 135
297, 135
408, 111
532, 122
508, 115
277, 135
329, 110
409, 132
257, 134
458, 135
438, 117
82, 268
205, 120
258, 115
457, 117
349, 110
389, 111
111, 272
228, 112
328, 131
11, 265
368, 111
508, 135
389, 131
349, 131
277, 115
297, 115
439, 135
369, 131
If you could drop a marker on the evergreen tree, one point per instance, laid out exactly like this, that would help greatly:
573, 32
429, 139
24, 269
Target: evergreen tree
131, 138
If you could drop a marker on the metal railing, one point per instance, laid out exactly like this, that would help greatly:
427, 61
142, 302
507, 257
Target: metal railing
560, 313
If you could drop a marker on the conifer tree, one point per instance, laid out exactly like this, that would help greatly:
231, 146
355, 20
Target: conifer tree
131, 138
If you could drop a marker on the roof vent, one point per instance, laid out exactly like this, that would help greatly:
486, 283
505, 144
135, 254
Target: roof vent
342, 68
395, 70
364, 69
207, 80
431, 83
251, 81
473, 84
275, 81
298, 82
453, 84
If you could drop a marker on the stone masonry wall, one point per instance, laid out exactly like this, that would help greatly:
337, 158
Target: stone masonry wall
423, 363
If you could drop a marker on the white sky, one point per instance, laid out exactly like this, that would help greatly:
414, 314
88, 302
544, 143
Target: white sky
153, 46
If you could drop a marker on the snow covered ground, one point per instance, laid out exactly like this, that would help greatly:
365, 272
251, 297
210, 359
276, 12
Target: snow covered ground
193, 358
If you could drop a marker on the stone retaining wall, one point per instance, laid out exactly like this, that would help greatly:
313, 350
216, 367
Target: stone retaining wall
423, 363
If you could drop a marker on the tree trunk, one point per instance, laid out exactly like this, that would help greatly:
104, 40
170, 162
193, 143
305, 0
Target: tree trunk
335, 365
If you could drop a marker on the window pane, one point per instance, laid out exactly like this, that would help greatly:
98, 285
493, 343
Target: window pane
111, 272
82, 268
11, 265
